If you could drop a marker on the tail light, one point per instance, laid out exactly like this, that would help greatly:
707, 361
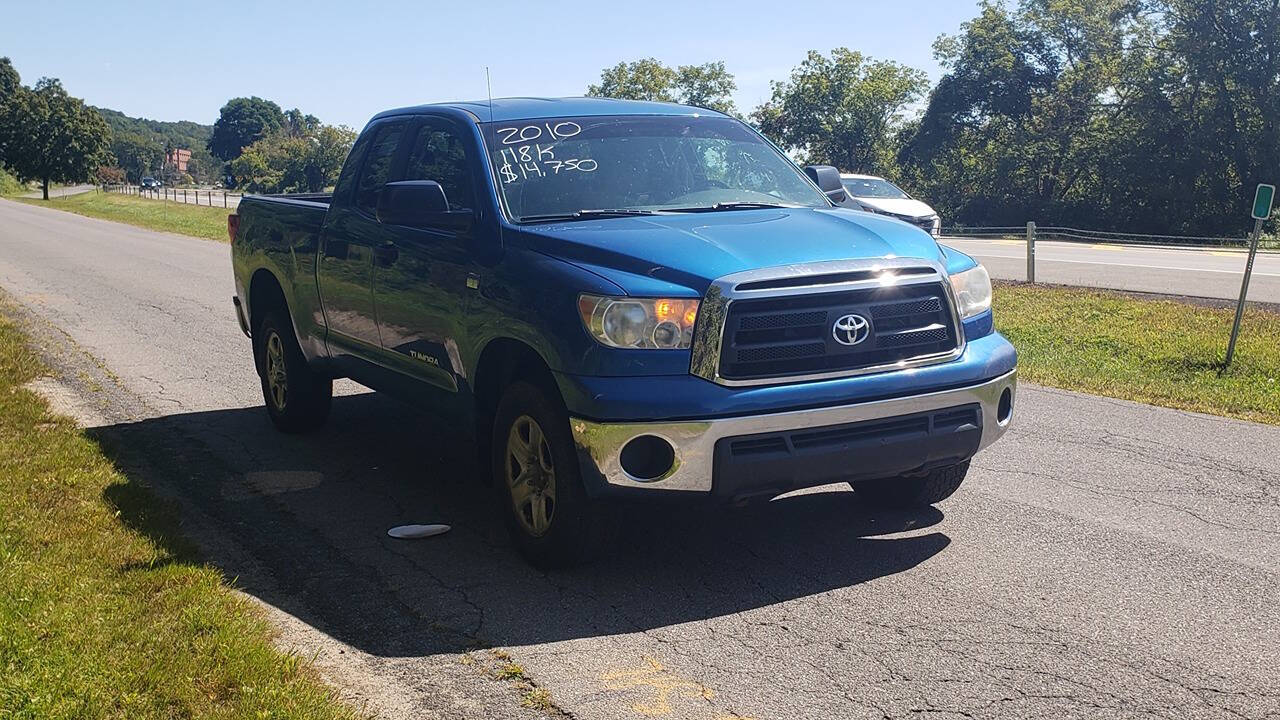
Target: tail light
233, 224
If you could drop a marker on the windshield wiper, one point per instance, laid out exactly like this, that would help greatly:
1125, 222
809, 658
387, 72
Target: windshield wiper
731, 206
585, 214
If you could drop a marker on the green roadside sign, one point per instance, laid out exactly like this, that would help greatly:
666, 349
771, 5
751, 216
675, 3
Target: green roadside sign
1262, 201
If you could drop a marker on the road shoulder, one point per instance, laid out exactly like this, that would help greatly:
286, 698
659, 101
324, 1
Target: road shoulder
467, 682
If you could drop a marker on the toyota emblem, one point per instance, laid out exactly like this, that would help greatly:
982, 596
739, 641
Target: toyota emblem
851, 329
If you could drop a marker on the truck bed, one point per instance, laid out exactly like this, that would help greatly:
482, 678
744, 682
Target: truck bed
260, 215
310, 198
280, 226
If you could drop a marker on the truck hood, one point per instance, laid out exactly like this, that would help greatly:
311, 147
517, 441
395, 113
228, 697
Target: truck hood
906, 207
691, 250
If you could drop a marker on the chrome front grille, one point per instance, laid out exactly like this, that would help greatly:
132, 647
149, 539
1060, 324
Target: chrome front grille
783, 336
777, 325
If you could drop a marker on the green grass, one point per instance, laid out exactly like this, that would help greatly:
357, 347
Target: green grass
1160, 352
97, 620
209, 223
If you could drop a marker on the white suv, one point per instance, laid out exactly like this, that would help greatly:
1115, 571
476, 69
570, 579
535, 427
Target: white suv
877, 195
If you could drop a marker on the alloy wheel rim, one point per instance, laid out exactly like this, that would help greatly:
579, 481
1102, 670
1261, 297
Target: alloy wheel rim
277, 380
531, 476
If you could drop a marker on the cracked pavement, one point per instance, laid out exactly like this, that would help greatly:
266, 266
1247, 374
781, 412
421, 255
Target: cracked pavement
1105, 560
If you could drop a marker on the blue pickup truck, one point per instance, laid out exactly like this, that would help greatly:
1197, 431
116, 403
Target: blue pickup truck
621, 299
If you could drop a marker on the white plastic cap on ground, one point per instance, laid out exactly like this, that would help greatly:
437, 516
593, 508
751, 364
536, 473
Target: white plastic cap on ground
413, 532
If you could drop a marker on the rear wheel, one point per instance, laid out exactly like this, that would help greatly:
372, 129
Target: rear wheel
938, 485
297, 397
539, 487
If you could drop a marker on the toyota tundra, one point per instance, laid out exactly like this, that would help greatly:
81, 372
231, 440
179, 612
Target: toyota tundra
619, 299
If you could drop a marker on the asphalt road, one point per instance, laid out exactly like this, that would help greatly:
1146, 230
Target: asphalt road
1180, 271
62, 191
1105, 560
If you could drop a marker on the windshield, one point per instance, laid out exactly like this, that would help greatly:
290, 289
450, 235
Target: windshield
639, 164
873, 188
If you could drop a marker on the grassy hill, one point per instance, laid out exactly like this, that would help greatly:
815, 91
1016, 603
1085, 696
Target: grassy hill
183, 133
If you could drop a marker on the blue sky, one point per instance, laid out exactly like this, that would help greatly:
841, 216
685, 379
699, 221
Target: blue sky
345, 61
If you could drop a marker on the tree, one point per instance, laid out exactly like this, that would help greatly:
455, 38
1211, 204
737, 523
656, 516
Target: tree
204, 167
58, 138
1228, 52
328, 151
842, 110
708, 85
646, 79
137, 155
10, 85
299, 125
1148, 116
242, 122
284, 163
260, 168
970, 152
9, 79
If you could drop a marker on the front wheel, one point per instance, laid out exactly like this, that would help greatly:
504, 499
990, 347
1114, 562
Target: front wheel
297, 397
539, 487
899, 492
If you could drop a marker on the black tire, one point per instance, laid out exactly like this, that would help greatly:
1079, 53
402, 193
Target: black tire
575, 528
903, 492
302, 404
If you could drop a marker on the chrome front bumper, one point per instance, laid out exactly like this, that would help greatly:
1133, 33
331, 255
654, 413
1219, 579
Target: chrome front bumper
694, 441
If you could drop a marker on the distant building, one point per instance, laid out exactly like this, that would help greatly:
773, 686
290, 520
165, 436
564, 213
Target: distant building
178, 159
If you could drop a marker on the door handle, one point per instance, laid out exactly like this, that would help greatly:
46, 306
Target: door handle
386, 254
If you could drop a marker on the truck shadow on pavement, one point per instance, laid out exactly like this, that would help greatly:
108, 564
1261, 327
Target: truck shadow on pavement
301, 521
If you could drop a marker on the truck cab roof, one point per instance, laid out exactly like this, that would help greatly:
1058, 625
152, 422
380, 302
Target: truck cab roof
532, 108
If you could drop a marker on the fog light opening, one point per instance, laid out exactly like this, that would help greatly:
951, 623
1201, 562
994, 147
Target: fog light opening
1005, 409
647, 457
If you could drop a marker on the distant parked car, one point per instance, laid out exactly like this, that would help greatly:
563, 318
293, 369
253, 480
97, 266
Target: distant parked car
877, 195
149, 183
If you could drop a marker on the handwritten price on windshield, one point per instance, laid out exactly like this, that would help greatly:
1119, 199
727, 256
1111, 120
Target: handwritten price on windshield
526, 161
529, 133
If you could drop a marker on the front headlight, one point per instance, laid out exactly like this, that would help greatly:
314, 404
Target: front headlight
973, 292
639, 323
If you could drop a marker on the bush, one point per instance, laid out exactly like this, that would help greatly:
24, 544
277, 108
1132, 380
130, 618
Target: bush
9, 184
1270, 240
107, 175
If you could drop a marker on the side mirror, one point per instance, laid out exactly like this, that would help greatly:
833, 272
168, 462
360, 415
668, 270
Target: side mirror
420, 204
827, 178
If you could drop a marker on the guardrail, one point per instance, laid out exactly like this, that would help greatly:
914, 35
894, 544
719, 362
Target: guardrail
1097, 236
1031, 233
188, 196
